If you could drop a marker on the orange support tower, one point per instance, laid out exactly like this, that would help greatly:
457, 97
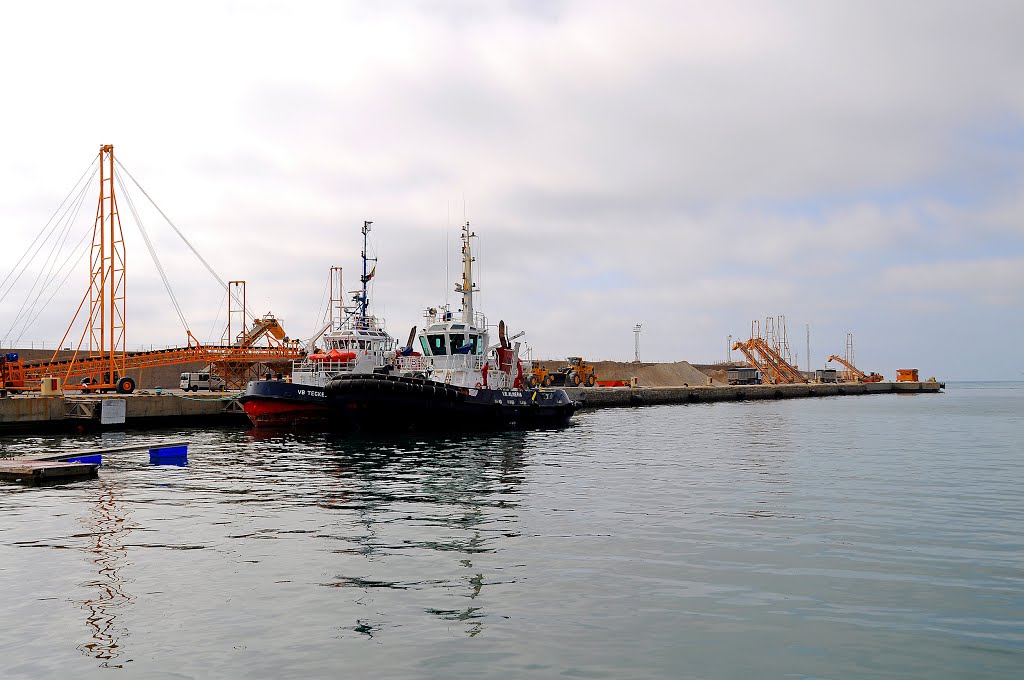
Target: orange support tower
106, 325
106, 361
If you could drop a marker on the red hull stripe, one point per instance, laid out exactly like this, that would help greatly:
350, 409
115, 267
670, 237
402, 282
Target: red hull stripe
262, 411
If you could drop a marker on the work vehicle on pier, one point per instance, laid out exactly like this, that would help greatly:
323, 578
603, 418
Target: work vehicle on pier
575, 373
202, 380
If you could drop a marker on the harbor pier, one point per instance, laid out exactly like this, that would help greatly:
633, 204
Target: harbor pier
37, 413
601, 397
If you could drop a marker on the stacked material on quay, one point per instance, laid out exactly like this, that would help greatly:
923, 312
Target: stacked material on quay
675, 374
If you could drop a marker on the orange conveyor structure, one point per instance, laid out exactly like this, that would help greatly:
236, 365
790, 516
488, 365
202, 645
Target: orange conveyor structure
765, 359
854, 374
19, 375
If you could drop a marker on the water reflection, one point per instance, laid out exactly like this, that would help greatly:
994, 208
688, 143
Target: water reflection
764, 451
108, 525
471, 614
454, 495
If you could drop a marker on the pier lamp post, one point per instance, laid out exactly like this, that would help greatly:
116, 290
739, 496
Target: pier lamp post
636, 343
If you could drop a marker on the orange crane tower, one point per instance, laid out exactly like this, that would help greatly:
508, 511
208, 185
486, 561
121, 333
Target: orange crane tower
105, 362
106, 325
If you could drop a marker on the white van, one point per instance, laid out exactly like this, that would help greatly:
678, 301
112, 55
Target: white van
201, 381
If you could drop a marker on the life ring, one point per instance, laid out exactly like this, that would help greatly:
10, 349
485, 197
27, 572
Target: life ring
478, 386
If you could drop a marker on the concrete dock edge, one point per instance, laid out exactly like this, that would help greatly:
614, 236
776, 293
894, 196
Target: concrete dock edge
36, 413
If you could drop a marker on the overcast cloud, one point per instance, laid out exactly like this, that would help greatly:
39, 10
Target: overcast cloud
855, 166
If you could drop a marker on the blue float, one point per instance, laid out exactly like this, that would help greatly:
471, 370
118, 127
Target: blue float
169, 455
94, 460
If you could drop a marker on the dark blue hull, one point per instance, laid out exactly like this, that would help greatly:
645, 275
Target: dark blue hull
399, 404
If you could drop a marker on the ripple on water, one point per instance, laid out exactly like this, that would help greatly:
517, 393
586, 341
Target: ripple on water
840, 537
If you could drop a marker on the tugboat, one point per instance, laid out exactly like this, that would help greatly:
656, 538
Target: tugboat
450, 380
355, 343
447, 378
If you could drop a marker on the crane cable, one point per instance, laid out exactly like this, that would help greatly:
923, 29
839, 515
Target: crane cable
175, 228
152, 251
28, 306
69, 270
43, 230
195, 252
213, 328
54, 255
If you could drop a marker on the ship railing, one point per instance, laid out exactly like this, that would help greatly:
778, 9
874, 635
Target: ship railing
459, 362
414, 363
308, 366
463, 362
435, 315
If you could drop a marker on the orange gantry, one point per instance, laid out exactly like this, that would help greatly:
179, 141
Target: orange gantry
20, 375
765, 359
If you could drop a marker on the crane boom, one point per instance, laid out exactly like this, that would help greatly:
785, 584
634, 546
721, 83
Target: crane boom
773, 367
751, 359
785, 373
854, 374
854, 371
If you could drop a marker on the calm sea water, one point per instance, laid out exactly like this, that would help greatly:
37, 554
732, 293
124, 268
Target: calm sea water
848, 537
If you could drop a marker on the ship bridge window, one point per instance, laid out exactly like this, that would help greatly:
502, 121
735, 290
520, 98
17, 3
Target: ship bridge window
426, 347
437, 344
458, 340
477, 348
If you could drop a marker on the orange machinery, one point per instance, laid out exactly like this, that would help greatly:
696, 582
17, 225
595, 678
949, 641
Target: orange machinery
762, 356
906, 375
854, 374
21, 376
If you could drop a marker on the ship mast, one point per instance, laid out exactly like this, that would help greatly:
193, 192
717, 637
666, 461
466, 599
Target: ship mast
362, 298
466, 286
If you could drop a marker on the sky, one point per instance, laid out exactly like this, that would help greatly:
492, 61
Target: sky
857, 167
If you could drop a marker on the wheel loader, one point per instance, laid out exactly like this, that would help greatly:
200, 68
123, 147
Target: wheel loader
575, 373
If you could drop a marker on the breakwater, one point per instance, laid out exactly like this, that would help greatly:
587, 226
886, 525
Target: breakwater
598, 397
35, 413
